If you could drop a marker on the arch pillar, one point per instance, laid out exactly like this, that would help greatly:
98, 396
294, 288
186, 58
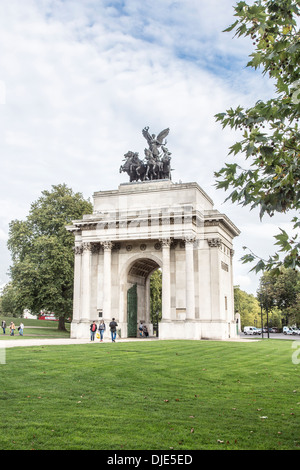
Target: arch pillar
107, 246
166, 280
189, 278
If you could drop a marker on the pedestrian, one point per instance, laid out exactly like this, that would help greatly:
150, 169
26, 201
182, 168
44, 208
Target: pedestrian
113, 329
12, 328
3, 325
145, 331
21, 328
102, 328
141, 328
93, 329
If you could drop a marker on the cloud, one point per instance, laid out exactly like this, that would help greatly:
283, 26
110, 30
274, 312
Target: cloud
244, 281
3, 235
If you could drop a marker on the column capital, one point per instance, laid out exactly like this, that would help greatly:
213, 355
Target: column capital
189, 240
107, 245
165, 242
214, 242
86, 246
77, 250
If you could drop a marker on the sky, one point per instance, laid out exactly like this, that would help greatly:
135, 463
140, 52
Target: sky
80, 79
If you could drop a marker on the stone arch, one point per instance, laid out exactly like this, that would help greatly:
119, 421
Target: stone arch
138, 256
137, 270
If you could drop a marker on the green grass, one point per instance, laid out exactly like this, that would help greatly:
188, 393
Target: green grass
34, 329
158, 395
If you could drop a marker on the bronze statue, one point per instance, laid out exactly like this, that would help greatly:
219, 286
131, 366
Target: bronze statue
157, 162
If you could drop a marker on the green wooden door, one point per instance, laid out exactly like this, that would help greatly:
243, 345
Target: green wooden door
132, 311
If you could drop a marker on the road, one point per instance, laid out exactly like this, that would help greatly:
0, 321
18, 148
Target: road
272, 336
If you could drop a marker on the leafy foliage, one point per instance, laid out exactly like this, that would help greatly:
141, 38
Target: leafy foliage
271, 133
247, 306
155, 295
283, 292
42, 252
9, 301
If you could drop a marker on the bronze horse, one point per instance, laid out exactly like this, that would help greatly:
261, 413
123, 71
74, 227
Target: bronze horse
134, 167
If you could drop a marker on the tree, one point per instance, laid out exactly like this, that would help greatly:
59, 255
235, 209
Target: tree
9, 301
271, 137
247, 306
42, 252
155, 295
283, 292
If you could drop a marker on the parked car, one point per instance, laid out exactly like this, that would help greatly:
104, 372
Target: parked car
295, 331
287, 331
251, 330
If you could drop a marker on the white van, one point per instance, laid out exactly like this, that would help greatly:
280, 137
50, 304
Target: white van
250, 330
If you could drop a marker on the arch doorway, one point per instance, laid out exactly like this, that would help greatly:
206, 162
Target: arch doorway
138, 294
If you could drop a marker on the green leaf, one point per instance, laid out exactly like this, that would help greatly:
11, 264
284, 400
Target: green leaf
230, 28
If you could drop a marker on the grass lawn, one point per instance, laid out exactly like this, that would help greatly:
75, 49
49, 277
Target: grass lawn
159, 395
34, 329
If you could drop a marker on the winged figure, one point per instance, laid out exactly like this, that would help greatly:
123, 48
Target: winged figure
155, 142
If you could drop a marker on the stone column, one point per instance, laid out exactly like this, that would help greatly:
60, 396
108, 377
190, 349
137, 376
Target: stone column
215, 244
189, 278
86, 281
166, 280
107, 246
77, 283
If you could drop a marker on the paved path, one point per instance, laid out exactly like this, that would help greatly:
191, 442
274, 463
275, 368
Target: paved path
66, 341
61, 341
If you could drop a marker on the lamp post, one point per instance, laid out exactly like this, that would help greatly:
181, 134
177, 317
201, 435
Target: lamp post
267, 295
261, 314
264, 296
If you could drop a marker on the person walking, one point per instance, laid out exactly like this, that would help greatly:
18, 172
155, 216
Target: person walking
93, 329
113, 329
101, 329
21, 329
145, 331
12, 328
3, 325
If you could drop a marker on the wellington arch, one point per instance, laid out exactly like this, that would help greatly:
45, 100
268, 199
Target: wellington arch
147, 225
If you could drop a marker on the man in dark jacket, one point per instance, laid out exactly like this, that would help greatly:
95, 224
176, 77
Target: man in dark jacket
113, 329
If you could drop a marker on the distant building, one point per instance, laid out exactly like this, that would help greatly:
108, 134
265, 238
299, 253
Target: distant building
27, 314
